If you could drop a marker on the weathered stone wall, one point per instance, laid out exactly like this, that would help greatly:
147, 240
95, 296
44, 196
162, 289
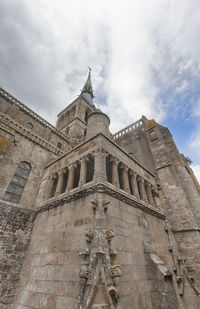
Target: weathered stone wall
50, 277
15, 149
15, 232
136, 144
183, 174
24, 117
182, 211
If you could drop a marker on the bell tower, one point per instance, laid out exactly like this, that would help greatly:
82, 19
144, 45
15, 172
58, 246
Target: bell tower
72, 121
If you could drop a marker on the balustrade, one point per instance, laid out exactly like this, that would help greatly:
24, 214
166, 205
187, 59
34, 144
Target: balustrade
102, 168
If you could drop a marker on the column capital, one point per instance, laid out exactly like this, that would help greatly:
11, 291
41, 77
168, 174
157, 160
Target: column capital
100, 150
140, 178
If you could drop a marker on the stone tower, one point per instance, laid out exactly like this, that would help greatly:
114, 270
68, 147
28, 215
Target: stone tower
95, 220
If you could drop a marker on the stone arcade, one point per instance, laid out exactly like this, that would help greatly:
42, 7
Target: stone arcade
94, 220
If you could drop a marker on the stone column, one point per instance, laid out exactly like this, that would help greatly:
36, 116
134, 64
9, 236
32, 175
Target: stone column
142, 190
60, 183
134, 185
125, 181
115, 177
48, 185
51, 185
100, 166
149, 194
82, 180
70, 181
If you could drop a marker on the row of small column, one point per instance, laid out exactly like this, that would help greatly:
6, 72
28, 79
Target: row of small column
132, 183
68, 178
94, 167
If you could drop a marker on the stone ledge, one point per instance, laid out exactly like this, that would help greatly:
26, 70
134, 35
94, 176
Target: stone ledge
18, 207
101, 188
164, 165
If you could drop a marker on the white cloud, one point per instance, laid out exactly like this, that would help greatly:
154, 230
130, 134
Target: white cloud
196, 169
142, 53
183, 86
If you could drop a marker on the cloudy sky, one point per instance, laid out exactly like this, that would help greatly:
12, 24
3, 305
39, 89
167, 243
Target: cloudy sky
145, 59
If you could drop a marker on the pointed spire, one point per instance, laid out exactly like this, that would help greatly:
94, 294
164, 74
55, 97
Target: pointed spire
87, 90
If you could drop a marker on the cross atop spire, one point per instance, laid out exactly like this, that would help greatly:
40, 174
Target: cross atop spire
87, 90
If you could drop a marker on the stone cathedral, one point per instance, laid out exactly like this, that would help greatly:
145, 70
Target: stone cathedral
90, 219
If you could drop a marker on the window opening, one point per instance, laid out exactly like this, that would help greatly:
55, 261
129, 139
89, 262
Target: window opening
77, 169
130, 185
55, 181
89, 168
59, 145
109, 169
29, 126
86, 116
18, 182
120, 168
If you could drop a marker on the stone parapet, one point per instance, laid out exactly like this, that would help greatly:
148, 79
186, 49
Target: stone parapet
29, 134
128, 129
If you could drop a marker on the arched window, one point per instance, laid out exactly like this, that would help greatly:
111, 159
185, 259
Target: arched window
29, 126
59, 145
17, 184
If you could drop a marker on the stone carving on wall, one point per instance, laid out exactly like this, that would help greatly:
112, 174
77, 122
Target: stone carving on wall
183, 272
98, 270
160, 265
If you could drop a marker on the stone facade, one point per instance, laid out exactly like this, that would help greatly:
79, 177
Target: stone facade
95, 220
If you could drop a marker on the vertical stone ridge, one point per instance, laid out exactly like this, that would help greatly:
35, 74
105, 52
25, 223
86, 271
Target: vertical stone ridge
98, 270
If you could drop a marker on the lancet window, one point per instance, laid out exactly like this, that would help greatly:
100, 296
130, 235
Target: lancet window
18, 182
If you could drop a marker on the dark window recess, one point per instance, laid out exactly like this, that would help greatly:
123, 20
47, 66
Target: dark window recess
77, 169
18, 182
86, 116
59, 145
89, 168
55, 181
29, 126
109, 169
120, 176
130, 186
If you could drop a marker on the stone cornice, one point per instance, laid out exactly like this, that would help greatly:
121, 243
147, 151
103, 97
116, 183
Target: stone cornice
107, 138
18, 207
29, 134
100, 188
8, 97
73, 120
